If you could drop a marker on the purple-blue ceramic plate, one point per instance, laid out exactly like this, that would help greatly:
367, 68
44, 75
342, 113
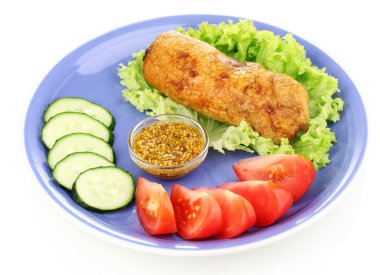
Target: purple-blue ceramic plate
91, 72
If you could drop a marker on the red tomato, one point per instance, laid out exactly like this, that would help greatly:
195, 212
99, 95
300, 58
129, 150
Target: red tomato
198, 215
238, 214
294, 173
283, 196
269, 200
154, 209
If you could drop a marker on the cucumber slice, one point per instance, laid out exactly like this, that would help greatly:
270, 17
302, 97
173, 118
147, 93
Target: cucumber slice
80, 105
68, 123
78, 142
67, 170
104, 189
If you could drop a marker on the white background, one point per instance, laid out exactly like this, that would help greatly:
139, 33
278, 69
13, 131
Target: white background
36, 239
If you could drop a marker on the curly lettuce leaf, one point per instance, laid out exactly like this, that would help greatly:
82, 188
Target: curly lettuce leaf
244, 42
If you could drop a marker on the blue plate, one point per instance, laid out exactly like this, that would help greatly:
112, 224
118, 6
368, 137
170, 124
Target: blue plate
91, 72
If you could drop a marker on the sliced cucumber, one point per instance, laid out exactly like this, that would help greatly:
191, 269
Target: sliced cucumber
80, 105
78, 142
68, 123
104, 189
67, 170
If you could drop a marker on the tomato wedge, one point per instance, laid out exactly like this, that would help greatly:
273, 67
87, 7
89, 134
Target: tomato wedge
269, 200
284, 198
238, 214
198, 214
154, 209
294, 173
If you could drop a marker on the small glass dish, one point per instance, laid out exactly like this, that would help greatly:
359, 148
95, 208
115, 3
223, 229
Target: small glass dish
168, 172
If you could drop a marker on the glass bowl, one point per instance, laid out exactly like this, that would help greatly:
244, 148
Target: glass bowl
168, 172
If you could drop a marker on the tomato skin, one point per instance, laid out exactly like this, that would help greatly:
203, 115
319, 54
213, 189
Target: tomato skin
283, 196
198, 215
269, 200
294, 173
154, 208
238, 214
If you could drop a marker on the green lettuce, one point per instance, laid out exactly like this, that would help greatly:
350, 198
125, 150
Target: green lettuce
244, 42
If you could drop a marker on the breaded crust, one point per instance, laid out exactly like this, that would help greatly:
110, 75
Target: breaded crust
197, 75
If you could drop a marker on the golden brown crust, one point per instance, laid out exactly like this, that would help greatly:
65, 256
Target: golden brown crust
197, 75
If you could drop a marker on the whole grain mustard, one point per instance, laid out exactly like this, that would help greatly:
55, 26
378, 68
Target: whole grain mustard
168, 143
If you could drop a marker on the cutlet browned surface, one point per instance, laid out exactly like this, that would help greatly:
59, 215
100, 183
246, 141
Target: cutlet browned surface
197, 75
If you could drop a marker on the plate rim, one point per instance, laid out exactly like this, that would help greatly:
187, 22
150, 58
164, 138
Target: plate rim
109, 236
